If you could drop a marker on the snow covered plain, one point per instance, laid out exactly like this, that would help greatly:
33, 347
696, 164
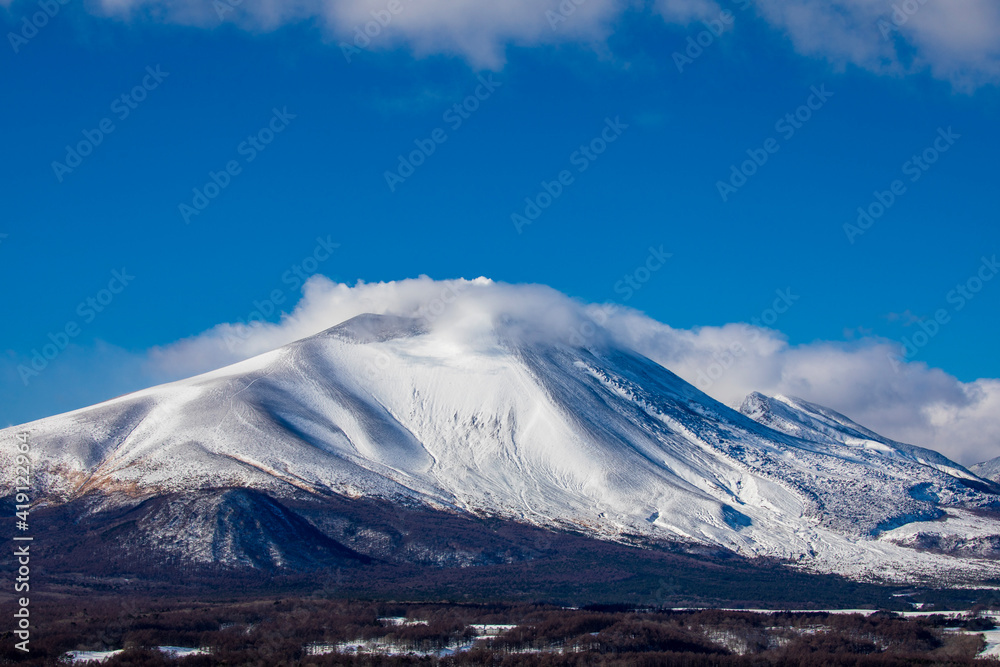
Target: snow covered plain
74, 657
503, 422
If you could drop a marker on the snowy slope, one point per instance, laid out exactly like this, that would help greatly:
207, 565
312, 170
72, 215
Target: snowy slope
988, 469
509, 424
815, 423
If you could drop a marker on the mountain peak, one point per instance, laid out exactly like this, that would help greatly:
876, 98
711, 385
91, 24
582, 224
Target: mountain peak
818, 424
374, 328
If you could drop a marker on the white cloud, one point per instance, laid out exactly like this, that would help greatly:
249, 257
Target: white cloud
915, 404
476, 30
954, 40
909, 402
687, 11
462, 306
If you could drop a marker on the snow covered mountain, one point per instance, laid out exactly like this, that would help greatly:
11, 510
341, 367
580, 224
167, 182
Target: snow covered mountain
988, 469
815, 423
501, 421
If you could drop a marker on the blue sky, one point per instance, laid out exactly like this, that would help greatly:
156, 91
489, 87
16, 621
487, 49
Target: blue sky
550, 92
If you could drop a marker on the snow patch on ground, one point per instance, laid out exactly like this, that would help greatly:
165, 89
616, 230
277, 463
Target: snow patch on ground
75, 657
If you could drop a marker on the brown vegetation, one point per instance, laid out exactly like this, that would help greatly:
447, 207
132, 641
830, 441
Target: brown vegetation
268, 632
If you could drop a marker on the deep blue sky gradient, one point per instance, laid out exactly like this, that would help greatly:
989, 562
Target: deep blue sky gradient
323, 176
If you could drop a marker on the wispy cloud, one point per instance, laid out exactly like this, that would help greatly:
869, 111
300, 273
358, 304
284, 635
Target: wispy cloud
907, 318
954, 40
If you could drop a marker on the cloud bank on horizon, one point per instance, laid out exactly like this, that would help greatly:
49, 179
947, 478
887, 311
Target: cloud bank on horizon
954, 41
863, 379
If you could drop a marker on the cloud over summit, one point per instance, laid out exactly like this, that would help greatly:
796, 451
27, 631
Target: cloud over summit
906, 401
